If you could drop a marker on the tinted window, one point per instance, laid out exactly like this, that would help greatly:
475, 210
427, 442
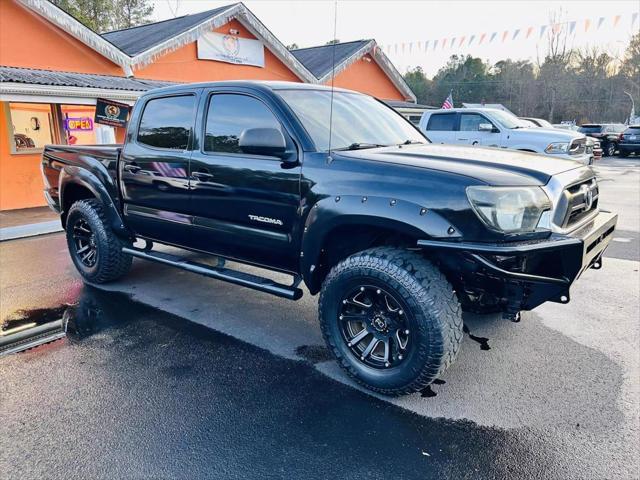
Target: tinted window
632, 130
229, 116
590, 129
442, 122
470, 122
167, 122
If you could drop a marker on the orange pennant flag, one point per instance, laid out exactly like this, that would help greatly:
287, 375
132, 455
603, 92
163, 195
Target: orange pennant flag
616, 19
504, 35
461, 40
482, 38
529, 30
587, 24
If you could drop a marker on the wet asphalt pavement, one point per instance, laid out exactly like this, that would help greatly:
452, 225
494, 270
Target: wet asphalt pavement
146, 385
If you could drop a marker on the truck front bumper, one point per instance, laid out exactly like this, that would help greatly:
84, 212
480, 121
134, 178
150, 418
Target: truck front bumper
523, 275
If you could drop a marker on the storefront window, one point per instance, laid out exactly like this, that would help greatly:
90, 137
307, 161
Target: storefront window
32, 125
80, 129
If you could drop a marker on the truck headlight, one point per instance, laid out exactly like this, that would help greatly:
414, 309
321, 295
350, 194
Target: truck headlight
510, 209
557, 147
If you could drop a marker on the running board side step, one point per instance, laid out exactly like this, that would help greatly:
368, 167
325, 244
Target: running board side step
290, 292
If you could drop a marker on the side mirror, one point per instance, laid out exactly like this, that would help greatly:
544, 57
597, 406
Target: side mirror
263, 141
486, 127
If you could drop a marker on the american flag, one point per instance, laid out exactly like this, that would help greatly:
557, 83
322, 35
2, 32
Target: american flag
448, 103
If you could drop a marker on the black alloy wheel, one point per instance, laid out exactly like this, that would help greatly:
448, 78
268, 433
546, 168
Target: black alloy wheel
85, 242
375, 326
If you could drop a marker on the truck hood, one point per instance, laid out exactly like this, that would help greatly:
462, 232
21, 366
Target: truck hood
492, 166
545, 135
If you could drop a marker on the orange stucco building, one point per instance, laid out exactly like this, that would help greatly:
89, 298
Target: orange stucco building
53, 69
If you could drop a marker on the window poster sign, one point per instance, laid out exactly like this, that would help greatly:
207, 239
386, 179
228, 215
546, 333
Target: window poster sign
111, 113
230, 49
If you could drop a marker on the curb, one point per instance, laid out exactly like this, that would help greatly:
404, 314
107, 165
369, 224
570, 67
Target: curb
30, 230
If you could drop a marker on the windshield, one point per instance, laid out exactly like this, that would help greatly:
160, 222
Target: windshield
359, 121
543, 123
509, 120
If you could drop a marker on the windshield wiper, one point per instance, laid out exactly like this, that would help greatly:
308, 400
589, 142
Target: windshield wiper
410, 142
361, 146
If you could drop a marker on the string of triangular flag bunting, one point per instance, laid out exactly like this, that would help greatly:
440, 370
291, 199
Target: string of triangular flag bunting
538, 32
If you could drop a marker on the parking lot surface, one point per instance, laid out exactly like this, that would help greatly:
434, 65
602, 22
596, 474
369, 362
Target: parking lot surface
167, 374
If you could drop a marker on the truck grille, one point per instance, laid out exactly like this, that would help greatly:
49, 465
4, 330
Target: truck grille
582, 201
578, 146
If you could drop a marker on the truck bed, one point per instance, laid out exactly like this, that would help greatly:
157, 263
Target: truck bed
59, 161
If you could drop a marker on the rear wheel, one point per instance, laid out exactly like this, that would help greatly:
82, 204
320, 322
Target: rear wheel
391, 319
95, 250
610, 149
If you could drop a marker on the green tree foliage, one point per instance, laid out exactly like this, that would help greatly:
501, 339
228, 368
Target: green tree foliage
581, 85
105, 15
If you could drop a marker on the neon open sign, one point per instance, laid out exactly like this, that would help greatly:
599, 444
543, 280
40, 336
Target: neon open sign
84, 123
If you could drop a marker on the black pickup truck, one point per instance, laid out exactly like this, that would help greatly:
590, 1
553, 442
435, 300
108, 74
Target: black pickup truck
396, 234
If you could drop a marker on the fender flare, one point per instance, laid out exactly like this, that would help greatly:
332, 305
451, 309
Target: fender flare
73, 175
353, 210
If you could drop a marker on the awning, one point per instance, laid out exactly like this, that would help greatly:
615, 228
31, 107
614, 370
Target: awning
48, 86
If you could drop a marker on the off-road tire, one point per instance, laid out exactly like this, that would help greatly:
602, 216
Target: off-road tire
430, 300
110, 263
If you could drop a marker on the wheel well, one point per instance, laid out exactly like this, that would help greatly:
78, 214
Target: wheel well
71, 194
346, 240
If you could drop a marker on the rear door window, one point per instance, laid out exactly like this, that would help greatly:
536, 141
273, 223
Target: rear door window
167, 122
443, 122
470, 122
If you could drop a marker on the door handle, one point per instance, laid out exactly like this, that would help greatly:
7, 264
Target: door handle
202, 176
132, 168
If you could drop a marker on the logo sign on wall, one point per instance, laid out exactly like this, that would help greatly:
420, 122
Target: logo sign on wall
230, 49
75, 124
111, 113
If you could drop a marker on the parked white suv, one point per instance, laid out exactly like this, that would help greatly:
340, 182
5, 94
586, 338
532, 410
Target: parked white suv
490, 127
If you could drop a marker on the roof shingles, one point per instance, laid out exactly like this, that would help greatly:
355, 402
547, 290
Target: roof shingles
319, 60
135, 40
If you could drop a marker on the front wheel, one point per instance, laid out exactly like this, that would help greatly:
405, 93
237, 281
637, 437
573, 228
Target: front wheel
95, 250
391, 319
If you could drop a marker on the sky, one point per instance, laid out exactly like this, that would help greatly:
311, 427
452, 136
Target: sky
412, 23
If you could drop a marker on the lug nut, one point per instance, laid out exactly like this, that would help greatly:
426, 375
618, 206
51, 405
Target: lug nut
400, 312
387, 364
400, 357
362, 289
378, 291
344, 302
349, 344
341, 317
406, 332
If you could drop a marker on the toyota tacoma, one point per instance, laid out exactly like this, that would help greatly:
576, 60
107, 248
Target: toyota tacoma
337, 190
